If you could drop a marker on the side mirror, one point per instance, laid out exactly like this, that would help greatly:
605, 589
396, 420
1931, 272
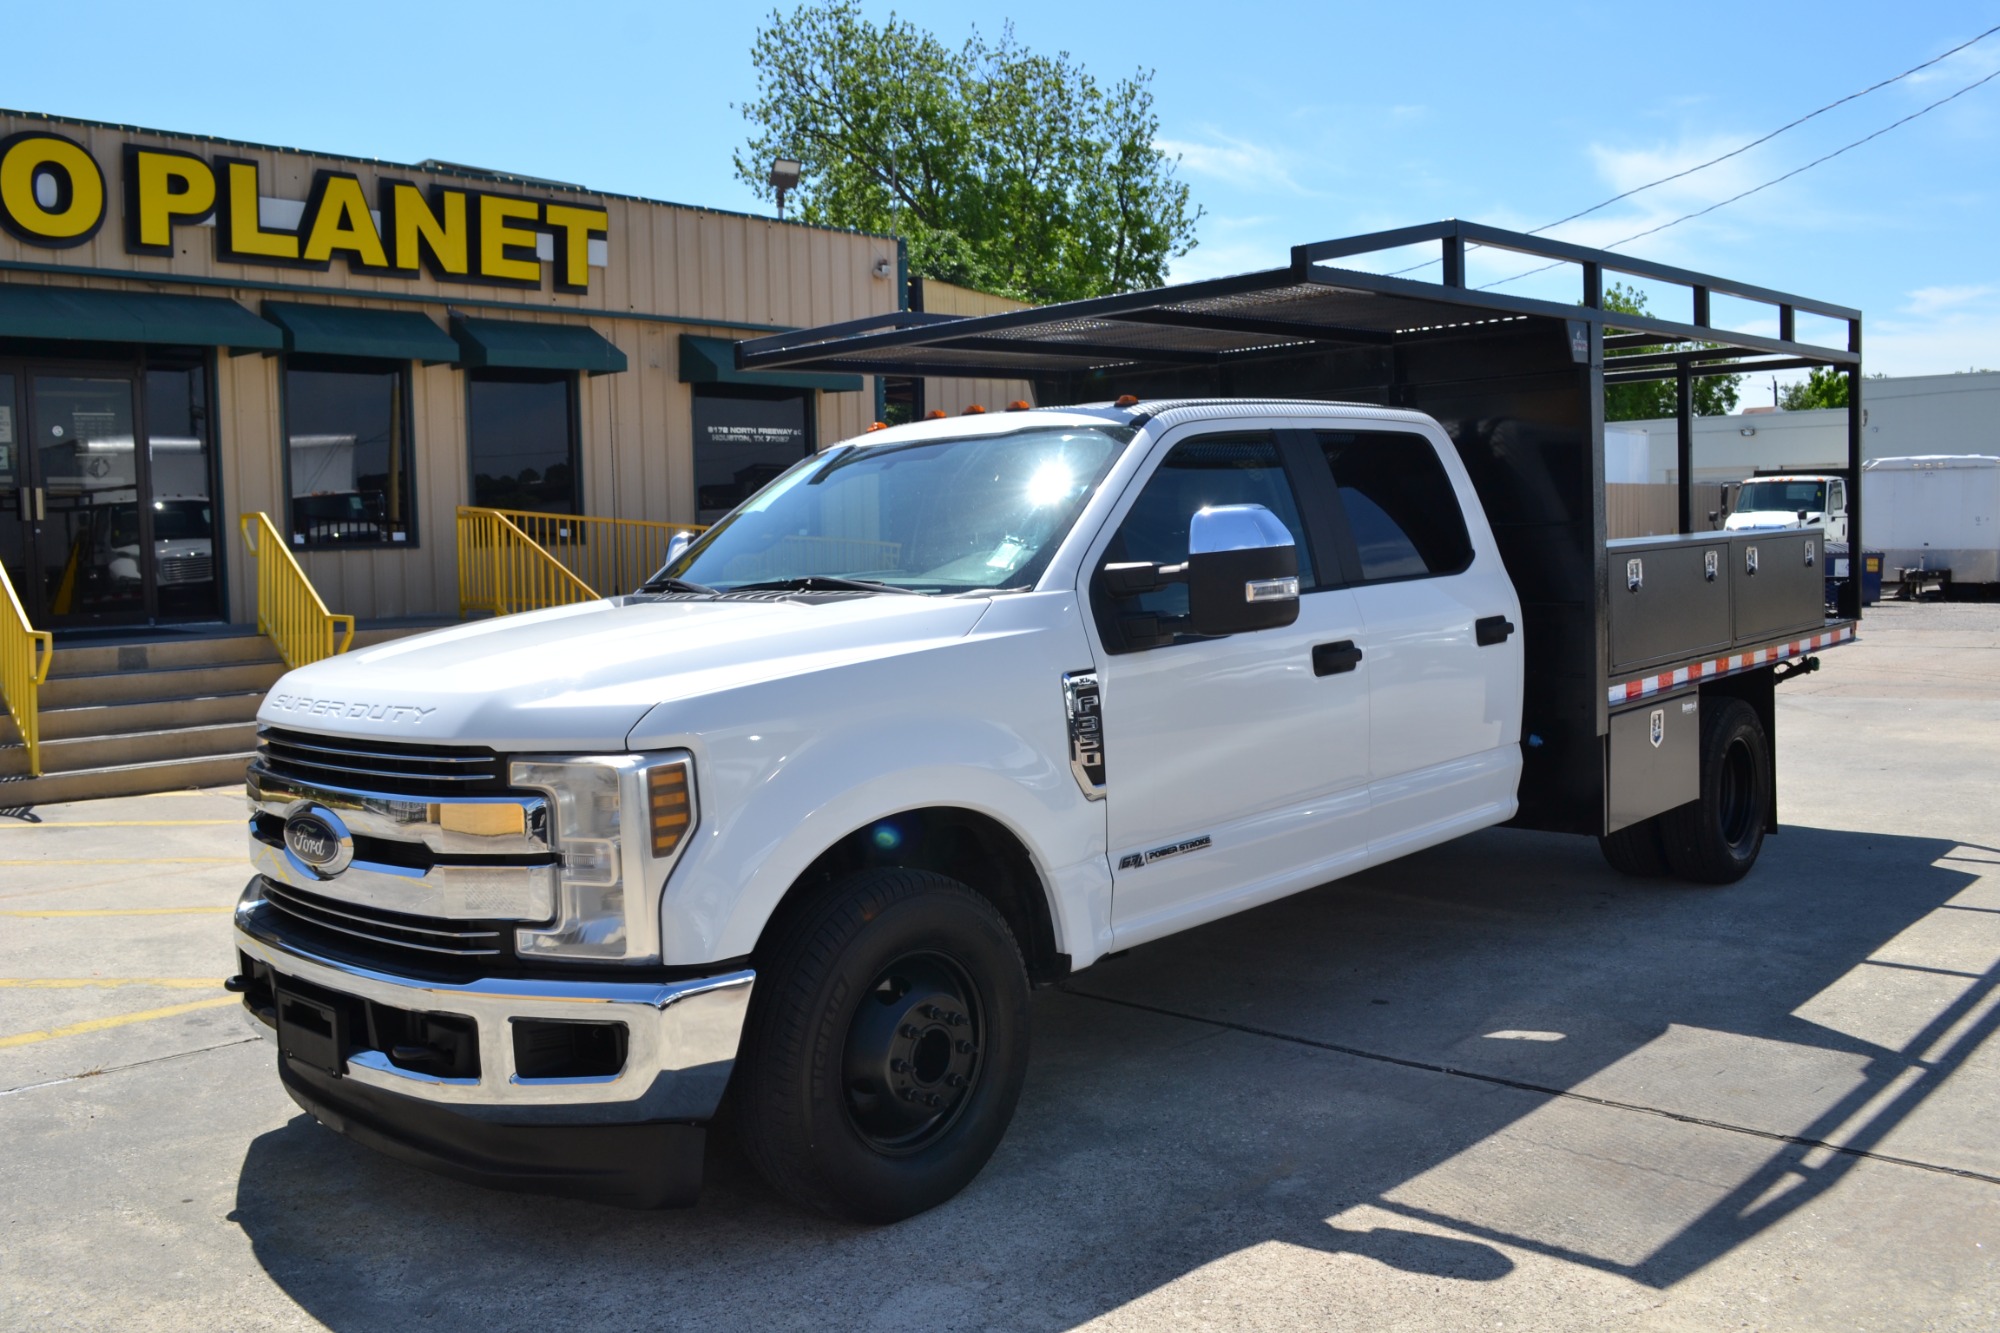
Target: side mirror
1803, 513
677, 545
1242, 571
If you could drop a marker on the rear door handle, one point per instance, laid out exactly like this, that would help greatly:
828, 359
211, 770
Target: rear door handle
1492, 629
1332, 658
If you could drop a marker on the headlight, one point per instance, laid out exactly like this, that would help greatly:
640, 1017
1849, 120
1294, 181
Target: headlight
620, 822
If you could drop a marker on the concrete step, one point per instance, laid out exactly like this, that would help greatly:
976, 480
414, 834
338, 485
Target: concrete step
138, 747
185, 682
161, 654
89, 784
60, 724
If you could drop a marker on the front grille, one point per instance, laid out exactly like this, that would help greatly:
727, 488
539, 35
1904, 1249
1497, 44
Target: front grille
431, 940
401, 770
187, 569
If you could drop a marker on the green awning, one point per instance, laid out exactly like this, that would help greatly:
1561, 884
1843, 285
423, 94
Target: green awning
514, 345
713, 361
336, 330
132, 317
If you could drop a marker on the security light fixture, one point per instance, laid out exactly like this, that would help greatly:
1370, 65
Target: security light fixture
1746, 431
784, 176
883, 268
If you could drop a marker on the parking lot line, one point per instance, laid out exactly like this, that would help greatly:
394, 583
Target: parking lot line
122, 911
125, 861
80, 983
120, 823
116, 1021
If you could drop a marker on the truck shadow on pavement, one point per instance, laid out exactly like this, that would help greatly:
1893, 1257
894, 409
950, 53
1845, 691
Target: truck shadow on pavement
1496, 1046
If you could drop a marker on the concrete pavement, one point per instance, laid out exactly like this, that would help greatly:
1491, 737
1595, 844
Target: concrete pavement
1495, 1085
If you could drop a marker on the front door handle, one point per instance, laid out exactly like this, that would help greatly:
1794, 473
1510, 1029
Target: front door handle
1332, 658
1492, 629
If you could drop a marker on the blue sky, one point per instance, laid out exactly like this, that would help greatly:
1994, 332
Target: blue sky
1292, 122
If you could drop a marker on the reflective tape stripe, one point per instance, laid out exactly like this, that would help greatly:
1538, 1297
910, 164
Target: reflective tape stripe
1726, 666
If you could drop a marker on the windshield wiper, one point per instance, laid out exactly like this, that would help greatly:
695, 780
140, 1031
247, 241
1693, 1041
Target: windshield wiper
674, 585
822, 583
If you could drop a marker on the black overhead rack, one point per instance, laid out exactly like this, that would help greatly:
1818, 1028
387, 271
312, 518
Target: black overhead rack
1208, 336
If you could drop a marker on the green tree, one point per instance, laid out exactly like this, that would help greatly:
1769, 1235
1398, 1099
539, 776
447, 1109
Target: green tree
1714, 395
1824, 387
1004, 170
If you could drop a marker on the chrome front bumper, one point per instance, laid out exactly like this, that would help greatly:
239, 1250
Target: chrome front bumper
681, 1036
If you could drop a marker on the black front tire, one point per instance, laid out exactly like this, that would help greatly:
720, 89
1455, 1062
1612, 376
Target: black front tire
886, 1045
1716, 839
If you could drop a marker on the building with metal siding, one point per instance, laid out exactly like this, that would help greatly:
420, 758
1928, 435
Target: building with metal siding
235, 360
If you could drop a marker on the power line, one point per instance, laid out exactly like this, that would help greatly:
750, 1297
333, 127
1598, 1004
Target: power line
1735, 152
1775, 180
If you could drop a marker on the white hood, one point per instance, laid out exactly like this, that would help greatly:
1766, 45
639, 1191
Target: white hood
580, 677
1771, 518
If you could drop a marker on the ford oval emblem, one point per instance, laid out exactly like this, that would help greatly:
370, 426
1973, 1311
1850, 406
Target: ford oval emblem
318, 840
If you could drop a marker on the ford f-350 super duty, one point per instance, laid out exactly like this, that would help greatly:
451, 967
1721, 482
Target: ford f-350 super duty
946, 711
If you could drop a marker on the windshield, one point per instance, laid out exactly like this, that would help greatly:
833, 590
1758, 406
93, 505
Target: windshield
983, 512
1792, 495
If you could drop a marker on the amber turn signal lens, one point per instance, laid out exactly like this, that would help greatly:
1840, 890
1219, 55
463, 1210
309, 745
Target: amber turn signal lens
667, 807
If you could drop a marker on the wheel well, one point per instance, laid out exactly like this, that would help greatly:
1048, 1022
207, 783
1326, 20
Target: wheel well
974, 849
1758, 689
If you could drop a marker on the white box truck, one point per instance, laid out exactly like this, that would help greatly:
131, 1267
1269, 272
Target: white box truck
1935, 518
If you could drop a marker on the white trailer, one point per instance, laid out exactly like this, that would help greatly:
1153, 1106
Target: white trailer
1936, 517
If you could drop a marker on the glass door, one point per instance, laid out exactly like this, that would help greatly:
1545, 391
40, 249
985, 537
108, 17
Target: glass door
90, 549
16, 496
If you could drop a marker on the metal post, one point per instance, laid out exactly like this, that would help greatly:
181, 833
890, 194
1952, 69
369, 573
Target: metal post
1684, 419
1593, 286
1850, 592
1454, 260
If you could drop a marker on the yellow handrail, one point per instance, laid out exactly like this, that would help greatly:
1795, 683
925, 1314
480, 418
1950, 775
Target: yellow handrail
517, 560
503, 570
287, 607
25, 654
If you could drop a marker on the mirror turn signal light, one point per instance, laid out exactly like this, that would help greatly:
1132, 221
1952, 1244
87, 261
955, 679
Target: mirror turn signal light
667, 807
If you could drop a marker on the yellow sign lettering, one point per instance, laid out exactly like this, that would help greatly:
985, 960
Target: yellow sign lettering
240, 233
499, 239
51, 191
162, 188
574, 227
427, 233
337, 221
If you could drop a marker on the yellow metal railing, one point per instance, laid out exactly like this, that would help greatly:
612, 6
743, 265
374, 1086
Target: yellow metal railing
25, 654
287, 607
516, 560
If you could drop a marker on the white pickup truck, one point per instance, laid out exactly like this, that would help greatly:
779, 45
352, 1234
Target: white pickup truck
955, 709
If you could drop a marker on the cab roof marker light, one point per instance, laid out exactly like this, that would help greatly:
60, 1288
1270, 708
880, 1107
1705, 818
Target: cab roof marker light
976, 410
1019, 405
874, 426
1127, 400
935, 414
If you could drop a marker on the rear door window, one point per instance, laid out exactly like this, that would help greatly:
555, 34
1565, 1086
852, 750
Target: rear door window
1399, 504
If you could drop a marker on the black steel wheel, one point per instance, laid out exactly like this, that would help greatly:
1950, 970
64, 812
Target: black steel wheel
886, 1044
1716, 838
1635, 850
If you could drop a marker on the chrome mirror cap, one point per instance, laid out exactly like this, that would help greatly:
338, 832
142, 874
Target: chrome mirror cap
1246, 527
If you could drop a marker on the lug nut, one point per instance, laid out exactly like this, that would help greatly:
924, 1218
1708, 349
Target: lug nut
909, 1094
956, 1020
932, 1011
933, 1100
900, 1066
965, 1048
909, 1030
955, 1080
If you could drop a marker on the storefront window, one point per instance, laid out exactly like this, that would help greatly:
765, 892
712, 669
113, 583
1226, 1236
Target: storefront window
347, 436
523, 440
182, 501
743, 438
